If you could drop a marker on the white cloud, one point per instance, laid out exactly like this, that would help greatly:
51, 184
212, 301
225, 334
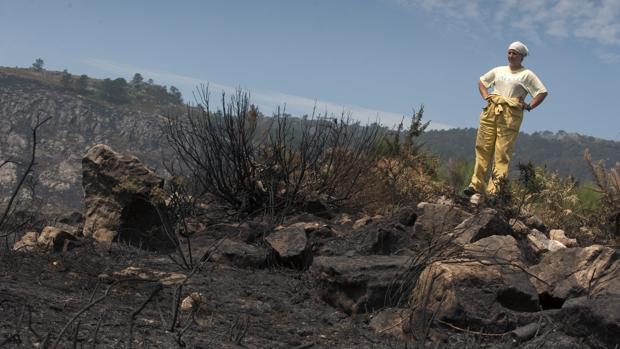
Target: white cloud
267, 101
609, 57
597, 20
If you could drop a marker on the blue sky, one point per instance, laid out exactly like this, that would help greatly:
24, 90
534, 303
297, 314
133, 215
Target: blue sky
378, 59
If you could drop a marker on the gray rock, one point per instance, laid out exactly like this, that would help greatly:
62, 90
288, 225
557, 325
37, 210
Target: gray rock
540, 243
433, 219
575, 272
389, 321
407, 216
291, 246
243, 231
358, 284
239, 254
486, 223
536, 223
496, 249
597, 318
473, 294
377, 238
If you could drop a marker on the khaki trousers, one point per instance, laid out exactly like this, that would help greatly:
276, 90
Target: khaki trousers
499, 127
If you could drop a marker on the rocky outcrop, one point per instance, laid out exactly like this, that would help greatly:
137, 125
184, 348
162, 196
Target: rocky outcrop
359, 284
117, 200
479, 291
486, 223
434, 219
575, 272
498, 249
77, 124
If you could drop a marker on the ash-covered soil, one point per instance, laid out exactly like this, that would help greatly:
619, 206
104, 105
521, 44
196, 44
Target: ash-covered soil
269, 308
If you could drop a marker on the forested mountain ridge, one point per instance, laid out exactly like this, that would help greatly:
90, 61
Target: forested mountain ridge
561, 151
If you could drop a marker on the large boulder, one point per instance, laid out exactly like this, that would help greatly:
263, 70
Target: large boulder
433, 219
498, 249
596, 319
574, 272
291, 247
486, 223
478, 291
117, 200
359, 284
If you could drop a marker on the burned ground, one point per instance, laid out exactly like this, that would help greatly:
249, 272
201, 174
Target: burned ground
269, 308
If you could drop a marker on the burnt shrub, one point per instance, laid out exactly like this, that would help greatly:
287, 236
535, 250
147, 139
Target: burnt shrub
269, 165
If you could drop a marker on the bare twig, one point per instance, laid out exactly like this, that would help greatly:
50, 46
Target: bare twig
135, 313
97, 331
93, 303
472, 332
16, 338
36, 335
239, 329
176, 302
92, 295
31, 164
75, 335
191, 321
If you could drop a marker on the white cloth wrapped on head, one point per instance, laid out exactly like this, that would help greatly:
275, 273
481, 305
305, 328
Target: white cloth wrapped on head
519, 47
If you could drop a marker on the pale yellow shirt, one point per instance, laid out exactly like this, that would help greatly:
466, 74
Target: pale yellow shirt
513, 84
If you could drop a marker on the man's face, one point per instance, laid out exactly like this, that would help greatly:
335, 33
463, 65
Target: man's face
514, 57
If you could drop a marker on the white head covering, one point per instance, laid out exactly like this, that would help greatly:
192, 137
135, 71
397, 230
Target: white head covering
519, 47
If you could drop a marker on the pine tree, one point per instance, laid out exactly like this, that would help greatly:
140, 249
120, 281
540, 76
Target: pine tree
38, 65
65, 79
81, 84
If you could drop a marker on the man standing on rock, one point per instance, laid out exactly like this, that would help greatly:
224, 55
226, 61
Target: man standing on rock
501, 118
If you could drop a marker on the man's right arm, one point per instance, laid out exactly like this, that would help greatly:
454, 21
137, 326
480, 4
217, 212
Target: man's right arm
484, 92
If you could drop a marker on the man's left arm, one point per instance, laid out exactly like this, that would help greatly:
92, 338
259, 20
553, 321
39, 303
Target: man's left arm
539, 98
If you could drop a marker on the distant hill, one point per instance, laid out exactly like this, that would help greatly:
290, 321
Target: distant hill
561, 151
92, 111
81, 118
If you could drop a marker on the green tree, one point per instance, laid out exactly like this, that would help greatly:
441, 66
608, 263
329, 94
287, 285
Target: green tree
38, 64
137, 79
81, 83
114, 90
65, 79
175, 95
